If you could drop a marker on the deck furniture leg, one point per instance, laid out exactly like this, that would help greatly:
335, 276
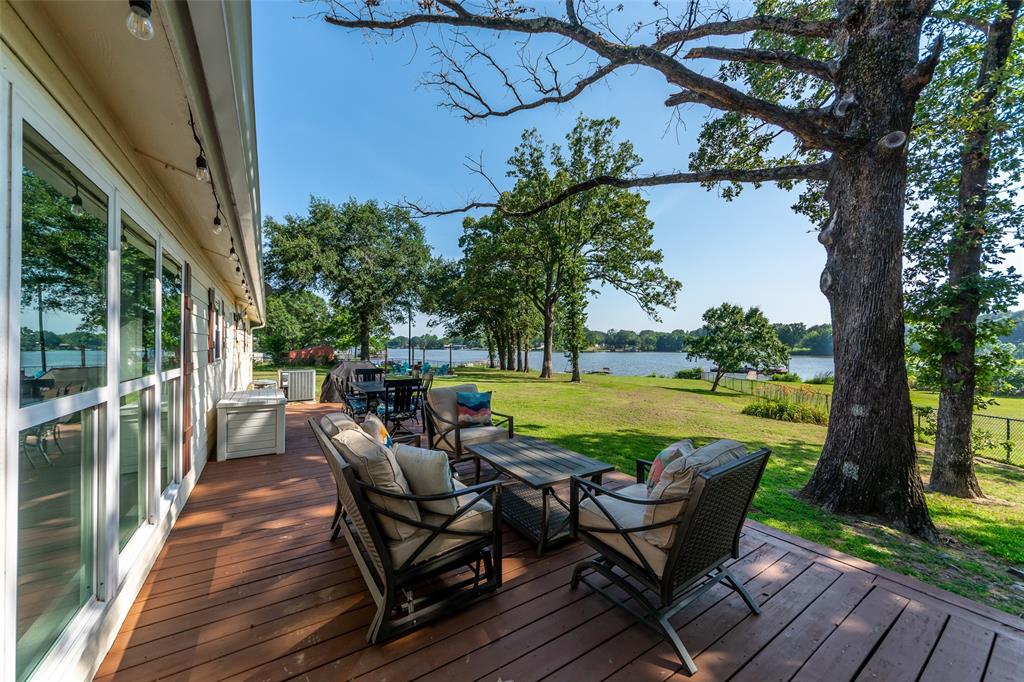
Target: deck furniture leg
336, 523
544, 517
736, 585
477, 460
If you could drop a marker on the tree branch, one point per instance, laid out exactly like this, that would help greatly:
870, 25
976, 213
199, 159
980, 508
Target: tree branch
811, 133
811, 171
784, 25
813, 67
688, 97
922, 72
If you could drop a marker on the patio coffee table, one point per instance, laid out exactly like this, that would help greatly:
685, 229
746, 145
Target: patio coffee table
536, 467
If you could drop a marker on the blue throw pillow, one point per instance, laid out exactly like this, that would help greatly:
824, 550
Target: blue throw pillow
474, 409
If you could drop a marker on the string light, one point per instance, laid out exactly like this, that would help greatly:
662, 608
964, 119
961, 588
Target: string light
202, 170
138, 22
76, 202
217, 226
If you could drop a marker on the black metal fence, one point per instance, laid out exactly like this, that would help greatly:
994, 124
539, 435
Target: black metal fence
999, 438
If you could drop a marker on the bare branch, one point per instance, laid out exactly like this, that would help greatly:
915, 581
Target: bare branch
811, 133
813, 67
687, 97
784, 25
811, 171
581, 85
922, 72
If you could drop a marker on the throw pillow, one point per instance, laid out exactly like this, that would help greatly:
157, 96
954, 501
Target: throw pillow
666, 457
474, 408
428, 473
677, 481
376, 430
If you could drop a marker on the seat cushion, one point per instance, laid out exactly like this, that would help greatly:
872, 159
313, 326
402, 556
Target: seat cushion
337, 421
478, 518
677, 480
627, 516
428, 473
474, 408
444, 402
375, 465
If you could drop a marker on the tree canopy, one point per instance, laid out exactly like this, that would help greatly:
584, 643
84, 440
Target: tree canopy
369, 258
733, 338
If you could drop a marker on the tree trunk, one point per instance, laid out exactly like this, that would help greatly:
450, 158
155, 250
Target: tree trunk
364, 339
869, 463
490, 349
526, 355
953, 466
547, 368
519, 352
575, 359
510, 349
718, 377
499, 340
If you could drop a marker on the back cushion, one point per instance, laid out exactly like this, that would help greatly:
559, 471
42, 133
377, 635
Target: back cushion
444, 402
337, 421
677, 480
428, 473
375, 465
474, 408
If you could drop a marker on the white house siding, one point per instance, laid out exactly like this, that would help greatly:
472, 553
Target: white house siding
41, 79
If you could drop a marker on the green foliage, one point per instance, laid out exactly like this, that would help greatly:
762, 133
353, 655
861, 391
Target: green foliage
791, 334
689, 373
734, 338
299, 319
786, 376
371, 259
823, 378
572, 317
785, 411
817, 340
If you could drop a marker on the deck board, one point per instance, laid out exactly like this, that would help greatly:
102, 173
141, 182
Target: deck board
248, 587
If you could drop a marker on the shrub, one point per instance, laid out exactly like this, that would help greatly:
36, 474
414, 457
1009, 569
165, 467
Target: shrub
689, 373
822, 378
786, 411
786, 376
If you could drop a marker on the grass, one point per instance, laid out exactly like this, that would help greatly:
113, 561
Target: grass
619, 419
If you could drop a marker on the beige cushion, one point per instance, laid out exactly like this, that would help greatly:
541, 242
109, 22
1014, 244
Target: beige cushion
428, 473
337, 421
627, 516
677, 480
375, 465
470, 435
444, 402
478, 518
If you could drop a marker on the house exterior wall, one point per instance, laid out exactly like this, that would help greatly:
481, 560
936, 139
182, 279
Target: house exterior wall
40, 86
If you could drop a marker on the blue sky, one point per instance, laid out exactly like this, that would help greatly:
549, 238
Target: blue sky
340, 115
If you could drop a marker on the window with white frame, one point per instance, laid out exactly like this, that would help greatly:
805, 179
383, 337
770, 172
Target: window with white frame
92, 325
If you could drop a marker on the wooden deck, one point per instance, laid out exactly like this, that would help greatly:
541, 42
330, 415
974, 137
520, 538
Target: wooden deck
248, 587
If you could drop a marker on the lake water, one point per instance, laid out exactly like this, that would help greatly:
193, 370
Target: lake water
627, 364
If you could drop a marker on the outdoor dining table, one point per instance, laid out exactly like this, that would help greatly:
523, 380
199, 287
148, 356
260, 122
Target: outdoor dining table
371, 389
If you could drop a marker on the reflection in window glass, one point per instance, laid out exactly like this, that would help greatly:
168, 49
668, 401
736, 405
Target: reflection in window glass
133, 498
63, 275
168, 430
138, 306
171, 321
55, 565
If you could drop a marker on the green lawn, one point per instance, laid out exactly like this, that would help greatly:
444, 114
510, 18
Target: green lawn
619, 419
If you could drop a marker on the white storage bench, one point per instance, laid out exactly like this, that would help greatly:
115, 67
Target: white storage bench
250, 423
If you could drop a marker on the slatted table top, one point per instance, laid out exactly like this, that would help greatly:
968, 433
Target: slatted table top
536, 462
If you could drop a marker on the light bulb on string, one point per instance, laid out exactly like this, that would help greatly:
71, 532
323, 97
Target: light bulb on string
202, 170
76, 202
138, 21
217, 227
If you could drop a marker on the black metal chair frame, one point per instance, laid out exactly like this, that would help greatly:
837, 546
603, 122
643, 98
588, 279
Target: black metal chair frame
400, 403
707, 536
440, 430
394, 588
369, 373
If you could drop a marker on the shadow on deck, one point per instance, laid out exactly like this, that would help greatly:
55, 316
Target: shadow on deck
248, 587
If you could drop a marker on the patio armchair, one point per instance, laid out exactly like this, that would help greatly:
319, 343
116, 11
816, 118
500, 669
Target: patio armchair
442, 422
404, 575
666, 552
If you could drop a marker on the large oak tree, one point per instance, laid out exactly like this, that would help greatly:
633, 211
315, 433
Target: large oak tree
855, 142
